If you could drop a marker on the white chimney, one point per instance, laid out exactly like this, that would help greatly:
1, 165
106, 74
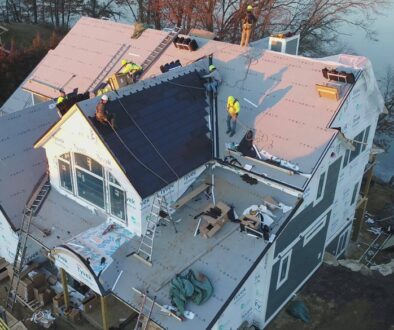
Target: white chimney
284, 43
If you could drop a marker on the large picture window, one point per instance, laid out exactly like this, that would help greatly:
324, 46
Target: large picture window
91, 184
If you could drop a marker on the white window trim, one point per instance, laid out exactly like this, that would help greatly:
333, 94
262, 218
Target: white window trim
280, 282
317, 200
313, 230
346, 232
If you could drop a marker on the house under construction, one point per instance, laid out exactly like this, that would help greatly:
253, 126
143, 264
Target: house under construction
166, 195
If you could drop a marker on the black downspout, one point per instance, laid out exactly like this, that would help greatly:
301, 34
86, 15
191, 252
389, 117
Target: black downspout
211, 114
214, 118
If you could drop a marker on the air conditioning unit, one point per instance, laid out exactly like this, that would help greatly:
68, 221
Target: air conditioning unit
287, 43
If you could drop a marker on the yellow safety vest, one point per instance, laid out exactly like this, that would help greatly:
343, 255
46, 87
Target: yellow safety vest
233, 108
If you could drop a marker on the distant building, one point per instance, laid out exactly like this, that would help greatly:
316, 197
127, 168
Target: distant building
312, 136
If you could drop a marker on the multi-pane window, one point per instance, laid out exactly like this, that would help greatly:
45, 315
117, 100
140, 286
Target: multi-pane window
365, 140
91, 184
65, 172
360, 144
358, 140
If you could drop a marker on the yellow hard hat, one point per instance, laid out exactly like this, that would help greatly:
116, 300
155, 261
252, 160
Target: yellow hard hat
211, 67
230, 99
249, 8
124, 62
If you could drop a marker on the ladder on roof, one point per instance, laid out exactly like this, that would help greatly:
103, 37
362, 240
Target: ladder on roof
29, 211
108, 67
159, 211
143, 318
159, 50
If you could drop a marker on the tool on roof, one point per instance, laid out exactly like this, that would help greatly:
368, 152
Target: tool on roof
159, 211
143, 317
31, 208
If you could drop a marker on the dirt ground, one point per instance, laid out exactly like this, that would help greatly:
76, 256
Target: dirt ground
340, 299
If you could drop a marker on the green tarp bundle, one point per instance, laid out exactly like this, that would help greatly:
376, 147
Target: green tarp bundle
197, 289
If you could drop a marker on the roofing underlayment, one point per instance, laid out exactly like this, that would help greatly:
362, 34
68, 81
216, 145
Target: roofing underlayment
276, 91
85, 52
165, 127
21, 166
225, 258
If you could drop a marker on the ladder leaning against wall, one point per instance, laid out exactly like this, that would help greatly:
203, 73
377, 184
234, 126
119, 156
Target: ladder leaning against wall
37, 198
160, 210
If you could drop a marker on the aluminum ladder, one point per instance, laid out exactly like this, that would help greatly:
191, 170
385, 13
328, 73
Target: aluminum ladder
143, 318
30, 210
159, 50
159, 211
109, 66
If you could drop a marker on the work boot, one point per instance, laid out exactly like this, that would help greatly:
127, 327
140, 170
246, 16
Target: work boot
228, 131
232, 134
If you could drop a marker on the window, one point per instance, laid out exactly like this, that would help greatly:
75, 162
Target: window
365, 140
355, 191
342, 242
357, 142
321, 186
91, 183
314, 230
284, 267
346, 158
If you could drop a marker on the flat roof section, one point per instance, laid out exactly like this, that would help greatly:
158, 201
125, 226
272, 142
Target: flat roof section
225, 258
64, 218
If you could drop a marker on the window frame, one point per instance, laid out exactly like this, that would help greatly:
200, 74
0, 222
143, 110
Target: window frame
323, 187
342, 240
313, 230
286, 256
365, 138
106, 184
354, 194
68, 162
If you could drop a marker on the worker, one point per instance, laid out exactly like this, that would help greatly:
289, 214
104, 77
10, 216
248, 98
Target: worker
233, 108
215, 79
62, 96
247, 23
102, 114
132, 69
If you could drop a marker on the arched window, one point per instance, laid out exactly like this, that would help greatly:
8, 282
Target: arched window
87, 179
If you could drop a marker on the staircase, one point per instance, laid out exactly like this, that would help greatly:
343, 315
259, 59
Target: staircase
159, 211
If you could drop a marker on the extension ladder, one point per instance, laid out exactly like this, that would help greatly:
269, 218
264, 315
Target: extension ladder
143, 318
159, 211
109, 66
159, 50
29, 211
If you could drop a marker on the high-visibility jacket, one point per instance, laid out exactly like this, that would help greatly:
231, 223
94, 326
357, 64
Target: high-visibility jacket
131, 67
60, 99
233, 108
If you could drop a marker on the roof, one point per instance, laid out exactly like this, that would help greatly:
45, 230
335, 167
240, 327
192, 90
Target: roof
226, 258
21, 166
161, 132
91, 47
278, 99
276, 91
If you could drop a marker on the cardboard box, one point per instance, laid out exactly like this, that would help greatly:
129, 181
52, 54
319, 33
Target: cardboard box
90, 303
118, 80
38, 291
75, 315
38, 279
26, 289
45, 297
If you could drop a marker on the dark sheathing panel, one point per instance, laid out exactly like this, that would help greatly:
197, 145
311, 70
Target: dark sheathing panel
310, 213
173, 116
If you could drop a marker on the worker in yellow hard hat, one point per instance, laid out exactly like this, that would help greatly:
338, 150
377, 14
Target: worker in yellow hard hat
131, 68
233, 108
247, 24
62, 96
214, 78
